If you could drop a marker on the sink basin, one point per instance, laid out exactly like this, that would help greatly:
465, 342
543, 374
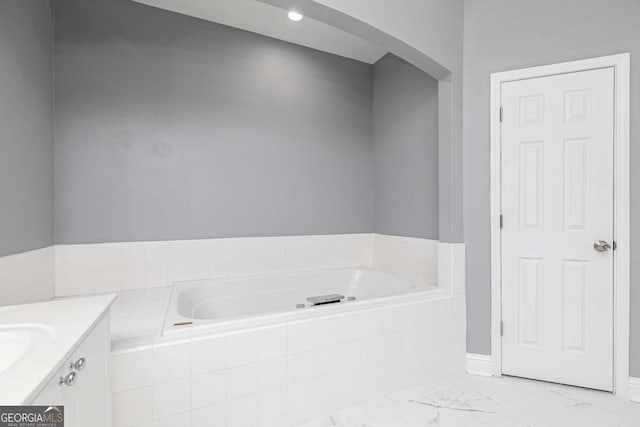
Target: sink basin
20, 341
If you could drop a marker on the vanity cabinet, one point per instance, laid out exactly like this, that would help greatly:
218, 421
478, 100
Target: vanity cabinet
86, 394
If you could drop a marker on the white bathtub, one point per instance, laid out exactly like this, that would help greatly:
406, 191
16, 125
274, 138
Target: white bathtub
223, 303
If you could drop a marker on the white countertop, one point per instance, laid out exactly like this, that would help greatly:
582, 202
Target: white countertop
66, 323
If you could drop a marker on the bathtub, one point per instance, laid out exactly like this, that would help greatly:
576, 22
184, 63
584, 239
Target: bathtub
237, 352
252, 301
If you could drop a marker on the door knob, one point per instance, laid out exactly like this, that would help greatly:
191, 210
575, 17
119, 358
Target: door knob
601, 246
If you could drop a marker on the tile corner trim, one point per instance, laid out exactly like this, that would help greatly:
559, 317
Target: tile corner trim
634, 389
480, 364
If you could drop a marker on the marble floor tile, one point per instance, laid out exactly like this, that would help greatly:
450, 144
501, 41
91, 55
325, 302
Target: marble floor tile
472, 401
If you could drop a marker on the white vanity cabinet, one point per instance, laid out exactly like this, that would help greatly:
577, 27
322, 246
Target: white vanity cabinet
86, 394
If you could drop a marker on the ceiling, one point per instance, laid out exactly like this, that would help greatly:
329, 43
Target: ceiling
271, 21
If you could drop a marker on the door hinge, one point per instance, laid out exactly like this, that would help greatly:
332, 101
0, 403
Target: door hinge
501, 114
501, 328
501, 220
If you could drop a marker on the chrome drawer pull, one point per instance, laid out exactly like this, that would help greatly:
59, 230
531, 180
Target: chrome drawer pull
68, 380
79, 364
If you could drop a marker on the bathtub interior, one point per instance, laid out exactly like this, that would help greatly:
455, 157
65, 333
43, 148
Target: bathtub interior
214, 301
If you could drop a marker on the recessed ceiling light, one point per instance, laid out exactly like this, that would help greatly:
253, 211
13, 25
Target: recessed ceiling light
295, 16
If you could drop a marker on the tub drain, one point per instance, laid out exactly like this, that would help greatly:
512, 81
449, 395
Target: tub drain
183, 324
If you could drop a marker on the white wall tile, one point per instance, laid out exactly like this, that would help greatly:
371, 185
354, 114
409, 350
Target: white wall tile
412, 339
371, 322
300, 367
107, 281
208, 355
242, 381
156, 253
180, 420
28, 277
197, 271
133, 407
391, 344
171, 362
349, 355
272, 404
129, 279
326, 331
326, 360
325, 388
392, 376
82, 258
107, 256
272, 342
242, 348
412, 258
62, 262
160, 263
132, 255
392, 319
372, 374
215, 415
301, 247
208, 389
154, 264
171, 398
300, 396
242, 412
349, 327
300, 336
155, 275
372, 349
131, 370
272, 374
350, 384
411, 315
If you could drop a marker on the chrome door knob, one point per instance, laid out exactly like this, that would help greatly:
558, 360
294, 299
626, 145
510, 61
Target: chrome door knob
601, 246
69, 380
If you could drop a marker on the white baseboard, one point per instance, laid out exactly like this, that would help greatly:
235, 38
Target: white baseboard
634, 389
479, 364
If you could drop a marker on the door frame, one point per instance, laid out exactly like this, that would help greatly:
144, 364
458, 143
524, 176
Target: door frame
621, 230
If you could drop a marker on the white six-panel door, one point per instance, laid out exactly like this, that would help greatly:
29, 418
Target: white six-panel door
557, 149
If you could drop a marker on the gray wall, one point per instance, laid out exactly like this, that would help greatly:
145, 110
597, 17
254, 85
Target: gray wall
509, 34
405, 143
429, 35
26, 122
170, 127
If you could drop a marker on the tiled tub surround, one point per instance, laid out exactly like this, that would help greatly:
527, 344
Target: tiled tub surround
109, 267
27, 277
275, 372
279, 373
413, 258
137, 315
